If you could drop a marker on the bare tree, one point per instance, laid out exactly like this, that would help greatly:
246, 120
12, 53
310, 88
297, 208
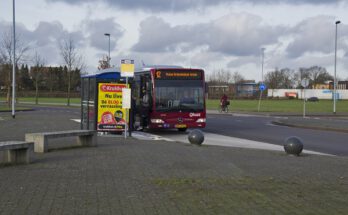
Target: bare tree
220, 76
72, 59
104, 63
37, 73
318, 75
279, 79
6, 55
237, 77
300, 75
315, 74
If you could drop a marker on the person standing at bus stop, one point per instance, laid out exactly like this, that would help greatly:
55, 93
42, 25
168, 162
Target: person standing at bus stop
133, 111
145, 108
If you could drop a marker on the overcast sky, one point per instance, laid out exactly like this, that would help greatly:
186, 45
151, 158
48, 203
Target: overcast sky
208, 34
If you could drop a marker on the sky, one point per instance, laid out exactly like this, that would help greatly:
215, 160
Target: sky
212, 35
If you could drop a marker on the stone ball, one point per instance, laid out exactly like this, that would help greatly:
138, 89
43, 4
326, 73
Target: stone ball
293, 145
196, 137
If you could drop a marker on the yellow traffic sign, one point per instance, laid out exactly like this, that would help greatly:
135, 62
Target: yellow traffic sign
127, 68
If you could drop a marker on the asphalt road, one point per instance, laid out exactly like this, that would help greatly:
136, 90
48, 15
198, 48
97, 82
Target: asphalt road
255, 128
261, 129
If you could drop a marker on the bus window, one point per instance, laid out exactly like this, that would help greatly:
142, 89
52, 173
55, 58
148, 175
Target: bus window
175, 95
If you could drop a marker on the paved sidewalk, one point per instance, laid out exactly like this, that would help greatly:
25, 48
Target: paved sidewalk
158, 177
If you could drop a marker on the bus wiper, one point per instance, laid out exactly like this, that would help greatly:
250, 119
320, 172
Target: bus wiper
187, 108
164, 110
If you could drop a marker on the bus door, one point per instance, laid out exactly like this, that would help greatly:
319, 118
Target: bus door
146, 99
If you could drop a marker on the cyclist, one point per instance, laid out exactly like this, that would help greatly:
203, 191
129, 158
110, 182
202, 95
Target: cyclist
223, 102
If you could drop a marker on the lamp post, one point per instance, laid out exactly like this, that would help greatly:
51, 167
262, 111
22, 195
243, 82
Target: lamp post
262, 58
108, 35
14, 63
335, 80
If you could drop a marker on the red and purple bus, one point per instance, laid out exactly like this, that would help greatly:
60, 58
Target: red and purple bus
170, 98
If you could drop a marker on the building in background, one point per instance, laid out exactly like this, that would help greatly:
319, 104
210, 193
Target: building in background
216, 91
244, 89
247, 89
341, 85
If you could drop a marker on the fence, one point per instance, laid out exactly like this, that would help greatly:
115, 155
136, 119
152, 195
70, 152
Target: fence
43, 94
320, 93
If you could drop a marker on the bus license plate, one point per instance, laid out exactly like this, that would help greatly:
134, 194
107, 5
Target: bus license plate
180, 126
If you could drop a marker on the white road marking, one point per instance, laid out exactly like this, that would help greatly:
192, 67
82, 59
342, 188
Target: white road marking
271, 124
146, 136
218, 140
76, 120
281, 117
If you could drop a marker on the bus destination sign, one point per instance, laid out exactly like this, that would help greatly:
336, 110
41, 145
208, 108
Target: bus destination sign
178, 74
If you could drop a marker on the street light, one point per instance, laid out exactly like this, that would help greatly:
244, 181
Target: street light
335, 81
263, 57
108, 35
14, 63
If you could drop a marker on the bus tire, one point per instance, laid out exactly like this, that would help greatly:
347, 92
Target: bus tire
182, 129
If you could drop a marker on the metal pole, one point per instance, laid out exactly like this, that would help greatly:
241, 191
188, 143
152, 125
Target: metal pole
14, 64
109, 51
334, 95
304, 102
262, 58
258, 108
108, 35
126, 124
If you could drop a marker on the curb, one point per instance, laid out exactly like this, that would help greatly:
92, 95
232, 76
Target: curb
8, 111
299, 125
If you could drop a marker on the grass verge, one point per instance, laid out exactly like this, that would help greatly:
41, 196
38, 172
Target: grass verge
282, 106
266, 106
247, 195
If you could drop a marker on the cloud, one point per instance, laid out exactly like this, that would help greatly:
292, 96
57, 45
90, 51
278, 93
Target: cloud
241, 34
240, 61
312, 35
183, 5
22, 33
46, 33
157, 36
96, 30
204, 59
152, 59
315, 35
235, 34
44, 38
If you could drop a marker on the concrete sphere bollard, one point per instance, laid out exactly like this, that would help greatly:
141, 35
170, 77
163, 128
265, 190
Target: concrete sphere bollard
196, 137
293, 145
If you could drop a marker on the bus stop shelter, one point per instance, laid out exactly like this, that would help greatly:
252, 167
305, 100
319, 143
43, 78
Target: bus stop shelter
101, 101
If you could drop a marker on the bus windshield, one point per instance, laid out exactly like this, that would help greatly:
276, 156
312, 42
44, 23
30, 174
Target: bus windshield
179, 95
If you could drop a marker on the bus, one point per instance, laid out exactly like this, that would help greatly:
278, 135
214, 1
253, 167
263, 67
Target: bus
169, 97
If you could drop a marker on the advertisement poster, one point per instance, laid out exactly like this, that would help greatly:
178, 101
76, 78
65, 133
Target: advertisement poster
111, 115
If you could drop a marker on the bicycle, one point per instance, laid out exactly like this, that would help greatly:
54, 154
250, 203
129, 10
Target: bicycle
224, 108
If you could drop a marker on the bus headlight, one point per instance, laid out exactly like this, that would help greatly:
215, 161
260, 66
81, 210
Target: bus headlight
157, 121
200, 120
